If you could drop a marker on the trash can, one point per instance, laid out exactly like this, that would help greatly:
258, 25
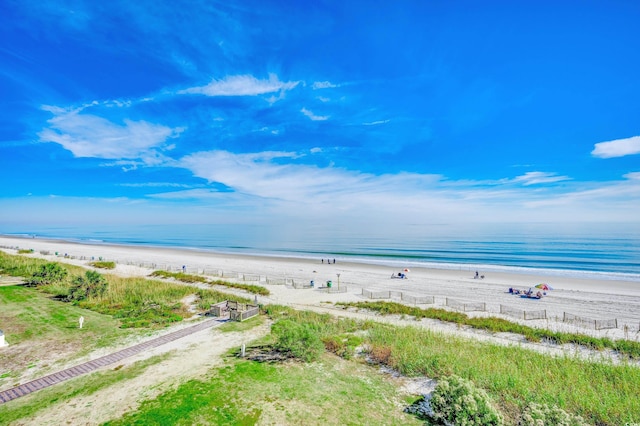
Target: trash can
329, 284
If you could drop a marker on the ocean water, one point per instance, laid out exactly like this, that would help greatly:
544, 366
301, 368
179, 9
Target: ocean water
609, 251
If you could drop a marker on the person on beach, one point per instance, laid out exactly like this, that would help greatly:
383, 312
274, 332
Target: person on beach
476, 277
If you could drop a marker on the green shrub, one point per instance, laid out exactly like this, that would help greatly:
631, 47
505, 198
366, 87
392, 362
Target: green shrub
298, 340
93, 284
103, 265
49, 273
25, 251
542, 415
343, 345
459, 402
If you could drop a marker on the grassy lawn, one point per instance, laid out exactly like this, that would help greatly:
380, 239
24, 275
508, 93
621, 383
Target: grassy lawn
331, 391
35, 326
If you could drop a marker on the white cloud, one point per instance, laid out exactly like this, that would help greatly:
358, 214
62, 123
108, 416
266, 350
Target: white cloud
533, 178
277, 185
87, 135
314, 117
242, 85
632, 176
323, 85
617, 148
376, 123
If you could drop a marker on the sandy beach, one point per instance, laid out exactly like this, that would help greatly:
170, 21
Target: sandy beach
589, 300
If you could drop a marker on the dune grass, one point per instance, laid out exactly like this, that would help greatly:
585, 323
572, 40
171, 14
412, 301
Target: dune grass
191, 278
136, 302
498, 325
600, 392
103, 264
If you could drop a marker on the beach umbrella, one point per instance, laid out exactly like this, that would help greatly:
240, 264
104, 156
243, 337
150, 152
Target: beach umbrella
544, 287
406, 270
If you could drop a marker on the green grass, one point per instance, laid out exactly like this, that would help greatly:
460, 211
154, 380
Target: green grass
187, 278
136, 302
328, 392
237, 326
599, 391
249, 288
48, 326
30, 315
25, 407
103, 265
190, 278
498, 325
25, 251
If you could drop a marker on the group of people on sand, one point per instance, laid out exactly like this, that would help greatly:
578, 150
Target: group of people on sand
526, 293
329, 261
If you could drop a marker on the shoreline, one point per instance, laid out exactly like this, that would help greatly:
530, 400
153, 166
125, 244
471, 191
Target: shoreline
355, 259
588, 299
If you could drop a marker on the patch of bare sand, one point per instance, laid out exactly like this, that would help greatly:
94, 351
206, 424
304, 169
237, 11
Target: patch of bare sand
190, 358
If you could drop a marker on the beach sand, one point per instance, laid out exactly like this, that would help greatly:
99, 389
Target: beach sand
587, 299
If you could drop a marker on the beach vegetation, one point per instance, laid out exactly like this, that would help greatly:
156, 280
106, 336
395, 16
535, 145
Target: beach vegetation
297, 340
25, 251
249, 288
330, 391
541, 414
512, 377
136, 302
92, 284
101, 264
180, 276
49, 273
191, 278
627, 348
459, 402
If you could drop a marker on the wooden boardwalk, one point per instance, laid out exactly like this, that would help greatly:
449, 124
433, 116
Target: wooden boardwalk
95, 364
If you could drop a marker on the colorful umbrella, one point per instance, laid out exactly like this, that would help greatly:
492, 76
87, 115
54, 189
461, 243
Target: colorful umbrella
544, 287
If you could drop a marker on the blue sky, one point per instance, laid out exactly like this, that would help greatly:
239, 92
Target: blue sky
363, 112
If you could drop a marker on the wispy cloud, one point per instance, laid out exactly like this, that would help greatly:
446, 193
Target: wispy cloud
277, 180
534, 178
156, 185
87, 135
242, 85
323, 85
314, 117
376, 123
617, 148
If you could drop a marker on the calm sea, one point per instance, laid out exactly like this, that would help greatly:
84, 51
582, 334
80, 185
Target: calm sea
603, 251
